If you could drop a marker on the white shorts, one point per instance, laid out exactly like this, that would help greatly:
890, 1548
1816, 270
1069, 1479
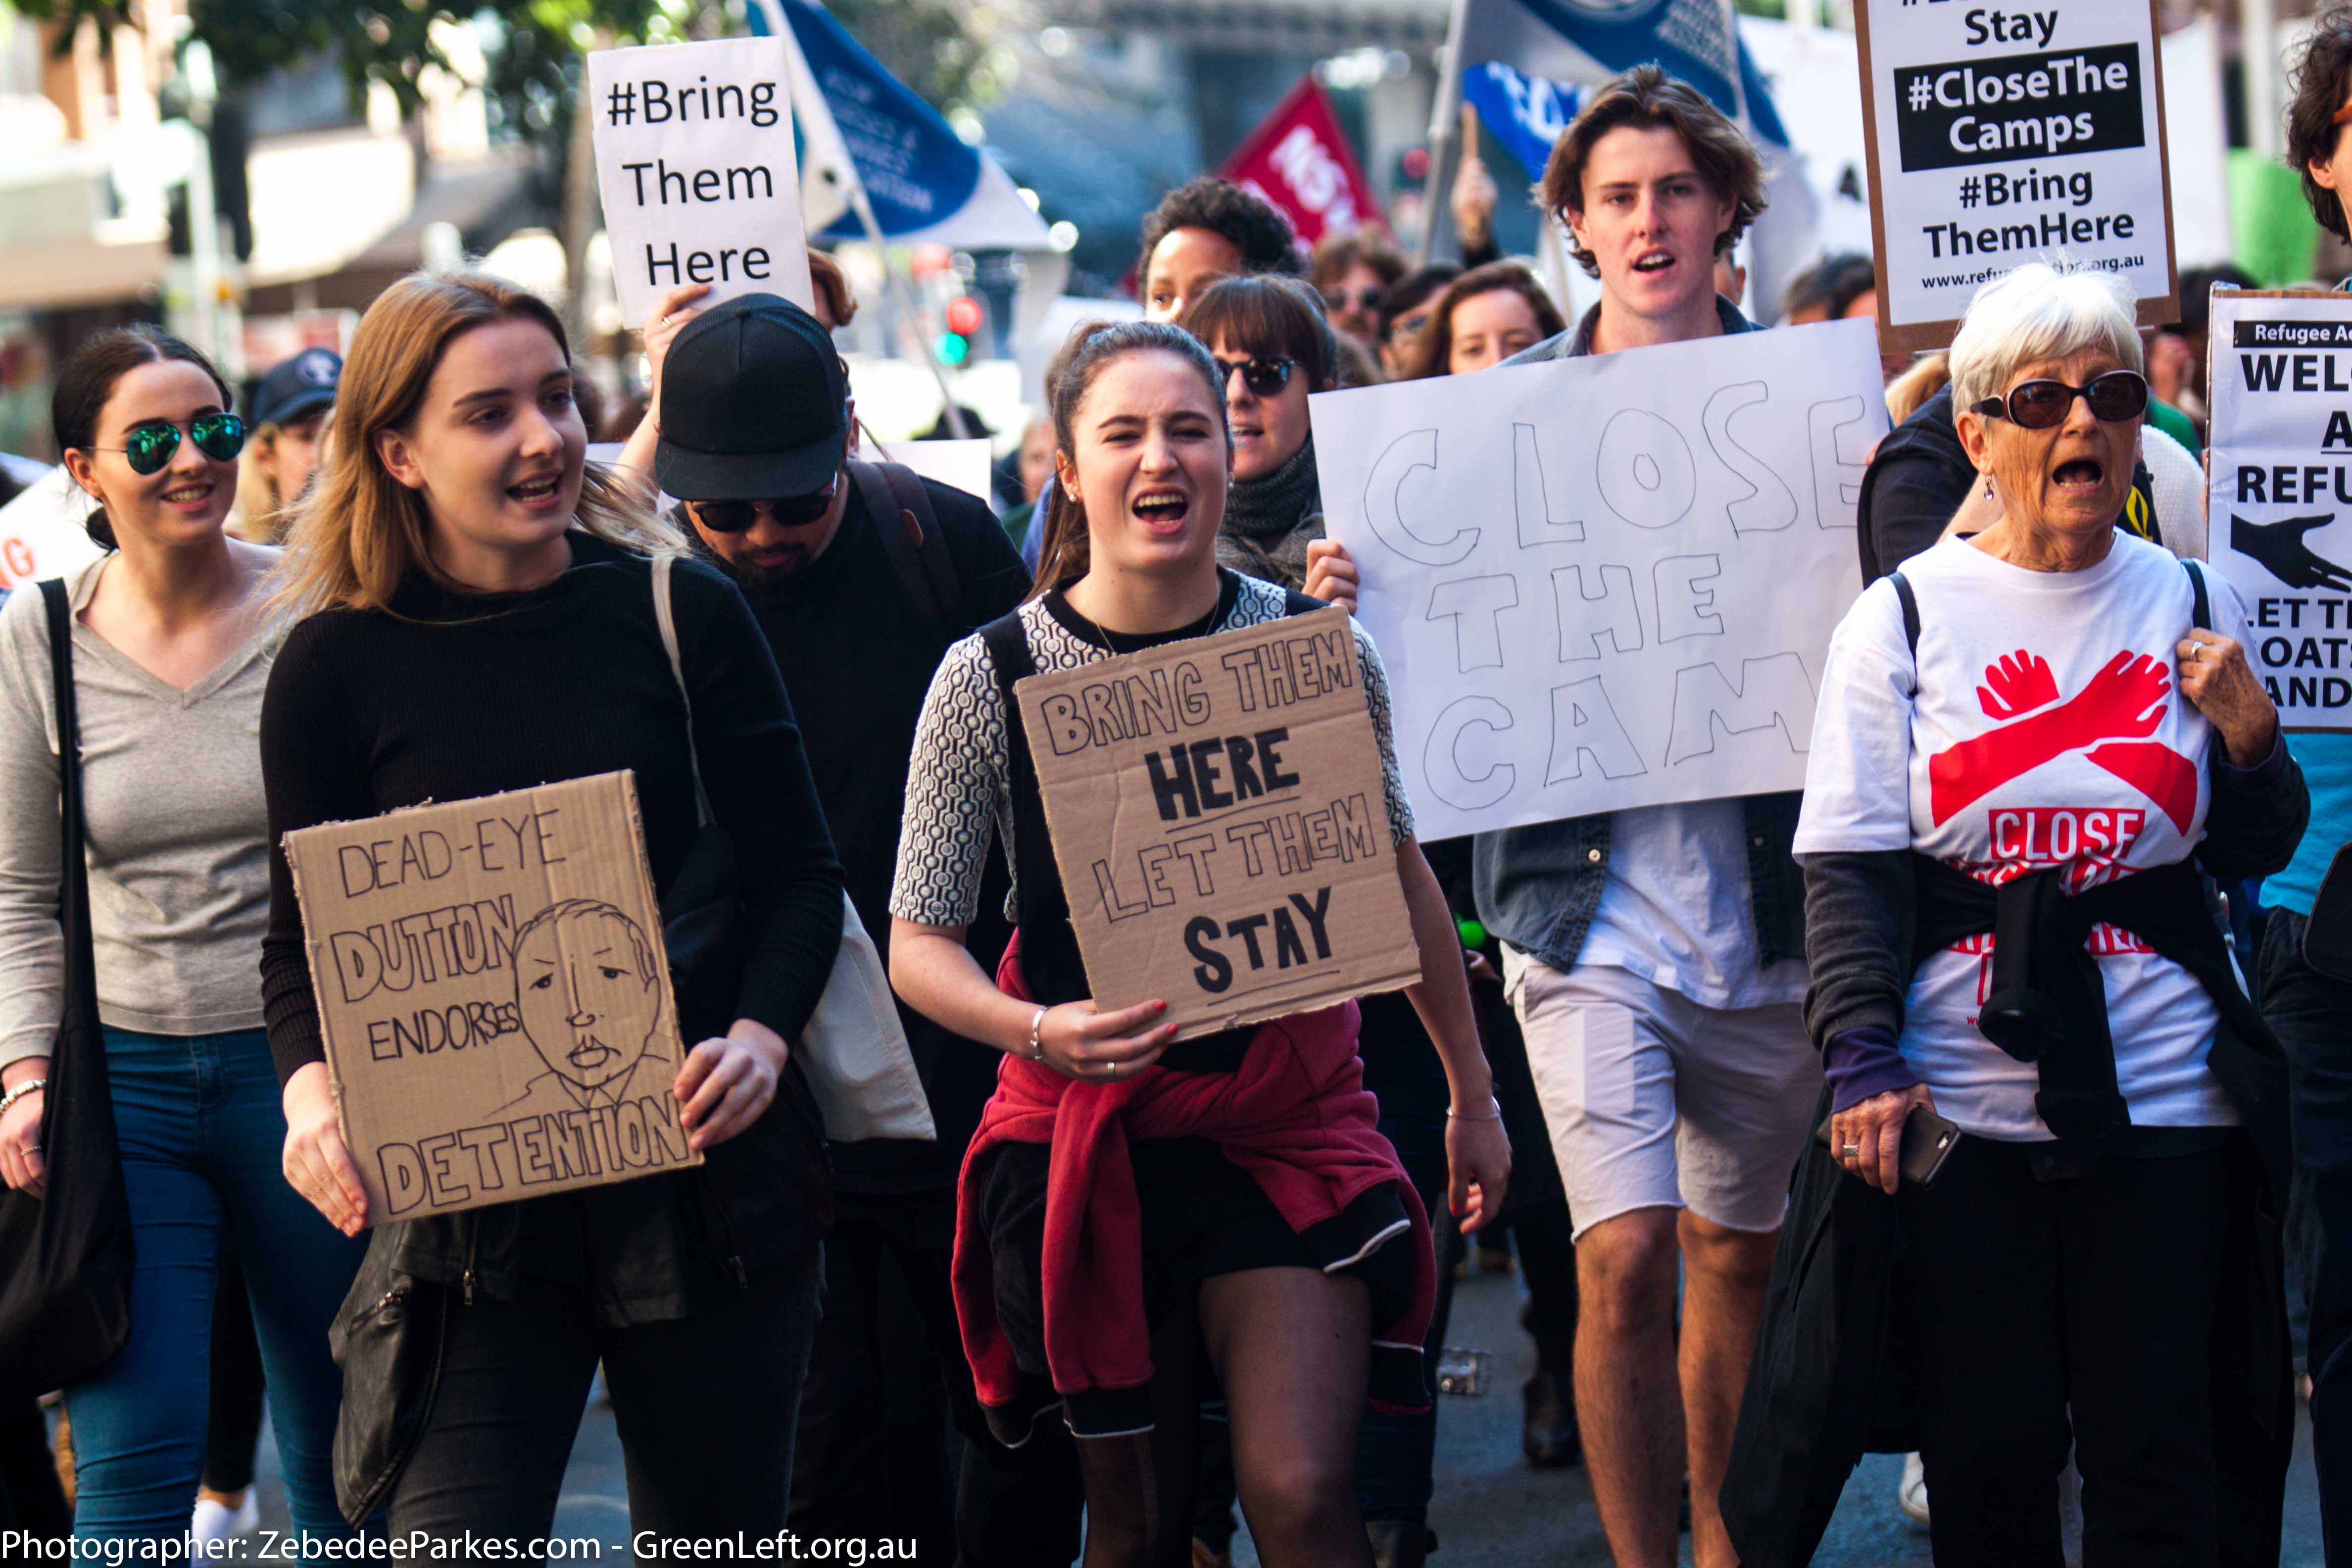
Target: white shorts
1654, 1101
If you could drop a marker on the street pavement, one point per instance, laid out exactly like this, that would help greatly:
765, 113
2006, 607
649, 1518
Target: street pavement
1491, 1511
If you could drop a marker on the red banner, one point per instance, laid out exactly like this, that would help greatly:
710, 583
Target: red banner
1299, 160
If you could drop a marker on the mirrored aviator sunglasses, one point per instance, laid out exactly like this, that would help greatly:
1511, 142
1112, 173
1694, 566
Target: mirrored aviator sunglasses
2038, 404
148, 448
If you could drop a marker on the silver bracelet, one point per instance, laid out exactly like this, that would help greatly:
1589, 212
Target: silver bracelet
20, 1091
1036, 1046
1453, 1115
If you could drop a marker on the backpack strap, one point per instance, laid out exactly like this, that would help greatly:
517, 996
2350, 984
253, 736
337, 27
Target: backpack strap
666, 620
2202, 609
909, 527
1910, 601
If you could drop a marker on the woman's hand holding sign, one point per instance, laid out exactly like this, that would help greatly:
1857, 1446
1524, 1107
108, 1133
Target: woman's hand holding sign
1078, 1042
727, 1084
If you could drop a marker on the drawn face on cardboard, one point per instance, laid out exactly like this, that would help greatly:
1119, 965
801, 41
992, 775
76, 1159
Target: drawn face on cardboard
584, 984
1150, 468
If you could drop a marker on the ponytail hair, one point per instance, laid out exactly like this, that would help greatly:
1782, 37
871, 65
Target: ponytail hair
88, 378
1062, 556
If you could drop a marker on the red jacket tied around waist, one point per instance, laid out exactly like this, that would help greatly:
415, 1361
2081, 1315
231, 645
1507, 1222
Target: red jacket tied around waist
1295, 1117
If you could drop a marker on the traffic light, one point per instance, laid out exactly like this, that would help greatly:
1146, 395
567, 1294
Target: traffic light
964, 317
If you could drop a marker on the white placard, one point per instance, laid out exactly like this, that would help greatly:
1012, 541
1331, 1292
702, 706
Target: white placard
964, 464
2002, 137
2281, 506
694, 150
1610, 582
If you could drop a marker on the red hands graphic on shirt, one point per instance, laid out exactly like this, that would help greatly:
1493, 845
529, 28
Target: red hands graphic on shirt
2122, 705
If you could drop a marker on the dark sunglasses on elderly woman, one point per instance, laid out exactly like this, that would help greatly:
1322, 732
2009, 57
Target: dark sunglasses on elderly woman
2038, 404
147, 448
790, 512
1263, 375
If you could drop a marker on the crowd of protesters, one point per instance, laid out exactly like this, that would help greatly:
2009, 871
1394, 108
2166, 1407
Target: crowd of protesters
1672, 1052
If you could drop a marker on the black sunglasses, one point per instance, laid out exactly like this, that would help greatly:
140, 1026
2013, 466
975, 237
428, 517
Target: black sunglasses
2038, 404
790, 512
1263, 375
147, 448
1362, 299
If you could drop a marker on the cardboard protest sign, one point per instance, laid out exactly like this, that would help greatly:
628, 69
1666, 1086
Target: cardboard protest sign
1219, 823
702, 185
2280, 503
1996, 138
1607, 582
494, 995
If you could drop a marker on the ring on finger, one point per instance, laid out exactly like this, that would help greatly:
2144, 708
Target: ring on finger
1851, 1151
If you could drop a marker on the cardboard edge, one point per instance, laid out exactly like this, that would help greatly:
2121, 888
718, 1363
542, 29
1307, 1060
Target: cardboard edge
642, 864
310, 946
2169, 307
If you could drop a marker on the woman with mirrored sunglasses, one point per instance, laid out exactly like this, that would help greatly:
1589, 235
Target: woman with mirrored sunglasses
2048, 728
171, 650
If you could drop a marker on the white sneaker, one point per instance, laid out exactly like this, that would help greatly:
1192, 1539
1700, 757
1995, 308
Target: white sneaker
1911, 1492
214, 1521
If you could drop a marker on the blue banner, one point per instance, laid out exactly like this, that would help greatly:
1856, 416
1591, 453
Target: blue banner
916, 170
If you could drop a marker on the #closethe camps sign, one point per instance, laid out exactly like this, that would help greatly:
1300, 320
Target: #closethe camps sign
494, 997
2280, 501
1219, 824
701, 183
1998, 137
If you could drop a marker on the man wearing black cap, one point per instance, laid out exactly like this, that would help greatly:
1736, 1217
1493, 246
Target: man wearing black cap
288, 415
861, 575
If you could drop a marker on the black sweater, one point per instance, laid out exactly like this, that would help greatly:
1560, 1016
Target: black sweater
452, 696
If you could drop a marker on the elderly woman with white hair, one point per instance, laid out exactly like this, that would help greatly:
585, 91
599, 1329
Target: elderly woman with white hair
2042, 732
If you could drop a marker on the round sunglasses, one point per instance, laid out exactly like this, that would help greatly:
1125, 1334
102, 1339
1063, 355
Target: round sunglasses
790, 512
148, 448
1265, 375
2038, 404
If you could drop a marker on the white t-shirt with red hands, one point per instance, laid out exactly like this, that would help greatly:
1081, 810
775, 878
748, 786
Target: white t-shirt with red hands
2048, 729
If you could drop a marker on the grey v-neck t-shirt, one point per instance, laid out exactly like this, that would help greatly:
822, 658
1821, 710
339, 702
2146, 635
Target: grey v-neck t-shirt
177, 832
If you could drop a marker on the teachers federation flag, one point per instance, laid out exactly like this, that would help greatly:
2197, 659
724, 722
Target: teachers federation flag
1299, 160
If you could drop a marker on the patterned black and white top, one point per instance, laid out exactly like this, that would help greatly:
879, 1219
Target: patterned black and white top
959, 785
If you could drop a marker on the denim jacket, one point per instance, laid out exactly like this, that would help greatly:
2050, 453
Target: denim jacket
1538, 888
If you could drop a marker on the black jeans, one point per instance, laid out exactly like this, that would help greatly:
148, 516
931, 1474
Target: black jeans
886, 1374
705, 1405
2312, 1016
2095, 1296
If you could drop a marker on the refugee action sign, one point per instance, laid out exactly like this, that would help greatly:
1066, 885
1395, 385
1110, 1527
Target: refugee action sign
1218, 819
2281, 504
494, 995
1607, 582
694, 151
2001, 137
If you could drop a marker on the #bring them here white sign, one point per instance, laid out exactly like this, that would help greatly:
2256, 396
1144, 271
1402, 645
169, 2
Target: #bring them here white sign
700, 179
1999, 137
1608, 581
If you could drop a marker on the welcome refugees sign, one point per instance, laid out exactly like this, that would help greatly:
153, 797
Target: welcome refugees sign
1606, 581
494, 997
1218, 818
701, 183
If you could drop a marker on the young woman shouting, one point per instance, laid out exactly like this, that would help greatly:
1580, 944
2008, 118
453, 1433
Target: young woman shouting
1306, 1272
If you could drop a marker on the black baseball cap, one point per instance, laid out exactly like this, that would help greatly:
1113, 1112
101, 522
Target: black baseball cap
754, 404
298, 387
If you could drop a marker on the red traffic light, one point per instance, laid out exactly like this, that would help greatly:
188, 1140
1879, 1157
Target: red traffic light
963, 315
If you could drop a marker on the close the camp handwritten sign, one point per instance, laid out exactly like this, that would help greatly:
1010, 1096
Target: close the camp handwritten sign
1219, 824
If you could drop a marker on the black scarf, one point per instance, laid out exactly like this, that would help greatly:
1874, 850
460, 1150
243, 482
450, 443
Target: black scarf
1270, 521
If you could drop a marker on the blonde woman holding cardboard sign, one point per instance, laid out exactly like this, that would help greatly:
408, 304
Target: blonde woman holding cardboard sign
482, 619
1309, 1278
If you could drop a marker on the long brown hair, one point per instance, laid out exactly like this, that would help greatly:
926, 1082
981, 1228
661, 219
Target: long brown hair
1061, 557
362, 530
1433, 351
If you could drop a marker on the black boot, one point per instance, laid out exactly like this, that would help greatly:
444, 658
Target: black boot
1549, 1437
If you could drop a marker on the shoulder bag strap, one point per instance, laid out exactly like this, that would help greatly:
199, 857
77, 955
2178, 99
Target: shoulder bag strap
80, 975
931, 541
1910, 602
901, 533
2200, 615
668, 620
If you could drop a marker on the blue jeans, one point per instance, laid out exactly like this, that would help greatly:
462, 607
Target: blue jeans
202, 1134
